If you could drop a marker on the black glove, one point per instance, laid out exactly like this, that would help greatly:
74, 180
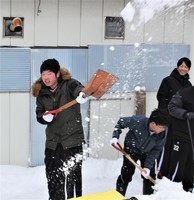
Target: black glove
189, 115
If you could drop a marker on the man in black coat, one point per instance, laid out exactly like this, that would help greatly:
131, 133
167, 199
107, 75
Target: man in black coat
178, 79
181, 107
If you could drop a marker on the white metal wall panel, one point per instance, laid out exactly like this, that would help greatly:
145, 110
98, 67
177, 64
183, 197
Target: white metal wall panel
15, 133
19, 124
154, 31
20, 8
4, 128
104, 115
46, 23
188, 35
91, 22
69, 23
172, 26
4, 12
134, 31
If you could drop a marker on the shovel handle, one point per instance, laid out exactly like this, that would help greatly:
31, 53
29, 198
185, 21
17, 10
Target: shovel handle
97, 86
55, 112
67, 105
119, 148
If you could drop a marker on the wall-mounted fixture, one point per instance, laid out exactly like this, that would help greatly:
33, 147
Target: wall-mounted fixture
114, 28
13, 26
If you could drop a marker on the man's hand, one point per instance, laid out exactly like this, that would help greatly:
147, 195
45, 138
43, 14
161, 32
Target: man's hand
189, 115
82, 98
48, 118
145, 173
114, 141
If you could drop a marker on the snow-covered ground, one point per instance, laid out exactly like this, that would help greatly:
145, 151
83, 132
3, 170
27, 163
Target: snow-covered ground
99, 176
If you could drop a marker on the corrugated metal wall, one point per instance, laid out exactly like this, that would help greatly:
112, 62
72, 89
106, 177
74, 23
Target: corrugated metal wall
143, 65
15, 69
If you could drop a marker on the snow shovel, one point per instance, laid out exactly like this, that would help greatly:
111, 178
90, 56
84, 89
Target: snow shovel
98, 85
119, 148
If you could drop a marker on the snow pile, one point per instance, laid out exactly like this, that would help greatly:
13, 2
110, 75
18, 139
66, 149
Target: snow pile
168, 190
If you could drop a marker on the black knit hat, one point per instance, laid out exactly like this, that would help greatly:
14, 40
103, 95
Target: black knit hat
160, 117
185, 60
50, 64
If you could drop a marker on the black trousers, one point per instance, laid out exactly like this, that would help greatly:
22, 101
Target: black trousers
64, 172
127, 172
181, 166
165, 156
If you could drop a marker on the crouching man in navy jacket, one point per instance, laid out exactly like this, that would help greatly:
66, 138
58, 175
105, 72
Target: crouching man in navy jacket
144, 141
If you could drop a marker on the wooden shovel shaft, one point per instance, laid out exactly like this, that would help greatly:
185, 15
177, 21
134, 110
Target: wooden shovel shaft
132, 161
139, 167
67, 105
55, 112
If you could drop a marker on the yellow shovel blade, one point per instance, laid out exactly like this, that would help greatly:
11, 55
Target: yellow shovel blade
108, 195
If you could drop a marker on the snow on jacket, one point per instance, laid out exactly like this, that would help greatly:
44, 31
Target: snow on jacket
66, 128
169, 86
181, 103
138, 138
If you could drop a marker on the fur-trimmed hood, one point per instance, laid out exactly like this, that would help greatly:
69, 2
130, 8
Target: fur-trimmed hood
36, 87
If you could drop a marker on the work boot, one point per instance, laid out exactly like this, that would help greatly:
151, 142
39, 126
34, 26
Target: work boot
121, 186
147, 187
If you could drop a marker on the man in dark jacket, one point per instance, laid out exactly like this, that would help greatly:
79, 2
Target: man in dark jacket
144, 141
181, 107
64, 132
178, 79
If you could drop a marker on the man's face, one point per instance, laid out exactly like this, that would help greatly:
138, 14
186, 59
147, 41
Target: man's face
50, 78
157, 128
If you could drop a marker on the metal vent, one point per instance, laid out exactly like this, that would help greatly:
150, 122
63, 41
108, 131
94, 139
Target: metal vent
12, 29
114, 28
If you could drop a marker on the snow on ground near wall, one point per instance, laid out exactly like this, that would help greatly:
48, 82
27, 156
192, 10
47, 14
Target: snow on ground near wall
99, 175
